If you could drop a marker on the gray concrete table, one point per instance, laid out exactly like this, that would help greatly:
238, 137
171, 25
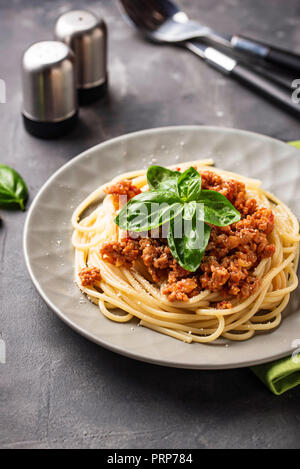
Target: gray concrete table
58, 389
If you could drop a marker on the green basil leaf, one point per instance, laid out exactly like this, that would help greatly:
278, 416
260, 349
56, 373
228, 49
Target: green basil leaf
189, 185
189, 210
149, 210
160, 178
218, 210
188, 240
13, 189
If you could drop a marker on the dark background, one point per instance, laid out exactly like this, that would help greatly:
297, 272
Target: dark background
58, 389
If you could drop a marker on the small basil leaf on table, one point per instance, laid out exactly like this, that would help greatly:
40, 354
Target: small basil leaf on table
160, 178
187, 241
13, 189
189, 185
218, 210
148, 211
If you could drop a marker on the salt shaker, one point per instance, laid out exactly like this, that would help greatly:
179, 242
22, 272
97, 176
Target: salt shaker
86, 35
49, 89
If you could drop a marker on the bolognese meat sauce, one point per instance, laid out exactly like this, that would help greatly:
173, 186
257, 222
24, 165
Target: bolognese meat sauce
230, 258
122, 188
89, 276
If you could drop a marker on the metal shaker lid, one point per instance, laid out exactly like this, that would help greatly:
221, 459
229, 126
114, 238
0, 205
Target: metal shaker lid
86, 35
49, 82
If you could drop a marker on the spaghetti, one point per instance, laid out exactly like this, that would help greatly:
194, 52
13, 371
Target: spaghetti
126, 292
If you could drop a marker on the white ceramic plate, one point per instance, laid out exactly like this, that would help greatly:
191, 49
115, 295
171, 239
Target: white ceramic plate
49, 254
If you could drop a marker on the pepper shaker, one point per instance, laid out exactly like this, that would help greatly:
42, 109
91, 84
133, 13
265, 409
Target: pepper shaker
86, 35
49, 89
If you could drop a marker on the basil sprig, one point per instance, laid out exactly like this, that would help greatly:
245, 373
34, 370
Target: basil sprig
178, 199
13, 190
